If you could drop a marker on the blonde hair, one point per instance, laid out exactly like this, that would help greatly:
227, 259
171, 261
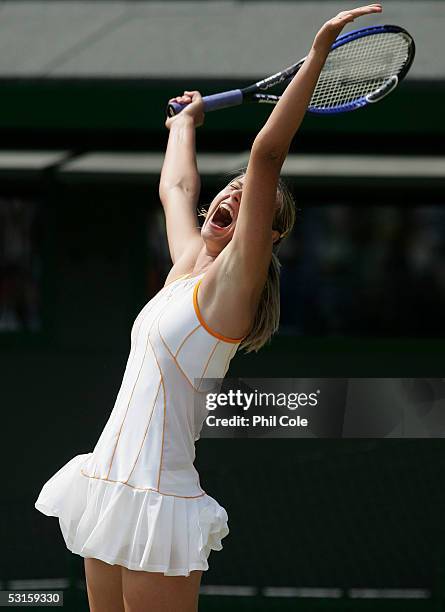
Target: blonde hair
267, 318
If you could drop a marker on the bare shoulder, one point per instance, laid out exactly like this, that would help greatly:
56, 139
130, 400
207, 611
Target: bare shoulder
227, 300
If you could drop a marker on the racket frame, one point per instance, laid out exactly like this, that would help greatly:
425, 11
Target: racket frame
254, 92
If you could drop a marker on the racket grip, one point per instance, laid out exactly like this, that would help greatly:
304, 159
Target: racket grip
211, 103
223, 100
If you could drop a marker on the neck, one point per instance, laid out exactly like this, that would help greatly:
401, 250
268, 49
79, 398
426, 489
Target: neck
204, 259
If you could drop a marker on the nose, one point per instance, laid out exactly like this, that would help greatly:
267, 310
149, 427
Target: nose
236, 194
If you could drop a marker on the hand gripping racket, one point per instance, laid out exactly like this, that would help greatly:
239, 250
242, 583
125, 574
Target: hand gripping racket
361, 68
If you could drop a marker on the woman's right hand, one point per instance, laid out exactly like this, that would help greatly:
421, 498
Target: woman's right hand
332, 28
194, 108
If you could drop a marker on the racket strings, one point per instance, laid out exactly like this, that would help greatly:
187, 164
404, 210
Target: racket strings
353, 72
358, 68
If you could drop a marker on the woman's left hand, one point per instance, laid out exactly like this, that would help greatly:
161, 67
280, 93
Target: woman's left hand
332, 28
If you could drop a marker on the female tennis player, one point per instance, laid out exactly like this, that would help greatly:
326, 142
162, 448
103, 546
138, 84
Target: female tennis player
134, 508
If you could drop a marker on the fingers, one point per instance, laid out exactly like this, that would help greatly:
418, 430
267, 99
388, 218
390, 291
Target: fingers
187, 97
367, 7
181, 99
366, 10
347, 16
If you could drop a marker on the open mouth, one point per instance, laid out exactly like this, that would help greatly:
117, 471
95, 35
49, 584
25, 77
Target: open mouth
222, 216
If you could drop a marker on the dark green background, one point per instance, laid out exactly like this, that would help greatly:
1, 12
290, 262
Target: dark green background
340, 513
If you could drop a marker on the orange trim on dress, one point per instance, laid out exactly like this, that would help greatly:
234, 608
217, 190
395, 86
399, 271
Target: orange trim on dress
204, 324
142, 488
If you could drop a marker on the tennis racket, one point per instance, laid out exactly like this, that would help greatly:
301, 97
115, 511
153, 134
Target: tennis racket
362, 67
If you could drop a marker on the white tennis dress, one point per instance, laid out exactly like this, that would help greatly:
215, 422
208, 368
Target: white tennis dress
136, 500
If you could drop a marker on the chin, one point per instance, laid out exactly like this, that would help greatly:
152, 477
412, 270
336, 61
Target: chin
215, 240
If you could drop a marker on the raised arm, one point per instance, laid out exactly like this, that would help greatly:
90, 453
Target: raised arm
285, 119
180, 183
232, 290
252, 236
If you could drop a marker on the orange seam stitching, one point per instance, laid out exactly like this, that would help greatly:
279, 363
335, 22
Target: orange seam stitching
177, 364
133, 349
165, 342
120, 393
229, 357
163, 424
208, 361
146, 429
186, 338
204, 324
129, 401
163, 386
142, 488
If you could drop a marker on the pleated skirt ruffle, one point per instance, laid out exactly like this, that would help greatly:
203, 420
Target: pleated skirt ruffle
139, 529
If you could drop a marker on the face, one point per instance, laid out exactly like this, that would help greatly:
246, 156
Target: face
220, 222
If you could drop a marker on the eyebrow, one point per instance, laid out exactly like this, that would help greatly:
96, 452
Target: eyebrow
240, 186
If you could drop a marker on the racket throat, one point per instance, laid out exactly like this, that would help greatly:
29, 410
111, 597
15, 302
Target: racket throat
383, 91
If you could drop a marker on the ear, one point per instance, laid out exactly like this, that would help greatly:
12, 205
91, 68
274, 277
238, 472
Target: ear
275, 235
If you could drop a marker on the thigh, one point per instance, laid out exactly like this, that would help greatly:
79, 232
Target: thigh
154, 592
104, 586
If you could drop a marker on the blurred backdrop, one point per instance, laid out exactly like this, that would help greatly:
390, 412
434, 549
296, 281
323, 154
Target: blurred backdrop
315, 524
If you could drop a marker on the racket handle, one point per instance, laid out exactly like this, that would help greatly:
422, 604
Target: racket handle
211, 103
223, 100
